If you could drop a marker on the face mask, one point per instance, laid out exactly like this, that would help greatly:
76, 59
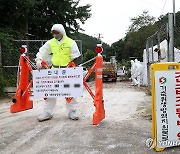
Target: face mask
56, 36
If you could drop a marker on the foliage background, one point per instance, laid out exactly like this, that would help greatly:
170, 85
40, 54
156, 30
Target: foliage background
33, 19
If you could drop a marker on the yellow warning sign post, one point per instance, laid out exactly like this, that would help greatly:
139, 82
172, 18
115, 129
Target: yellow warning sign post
165, 82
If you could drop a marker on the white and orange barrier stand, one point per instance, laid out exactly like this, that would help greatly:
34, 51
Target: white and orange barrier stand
99, 114
22, 97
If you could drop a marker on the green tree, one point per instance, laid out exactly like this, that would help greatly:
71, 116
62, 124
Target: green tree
134, 42
89, 55
33, 19
118, 48
17, 16
36, 17
140, 21
88, 42
108, 52
140, 29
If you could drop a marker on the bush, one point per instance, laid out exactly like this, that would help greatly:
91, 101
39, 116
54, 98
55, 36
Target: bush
125, 63
9, 57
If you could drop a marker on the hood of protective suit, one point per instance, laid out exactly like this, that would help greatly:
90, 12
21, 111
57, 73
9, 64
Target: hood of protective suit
135, 60
59, 28
132, 62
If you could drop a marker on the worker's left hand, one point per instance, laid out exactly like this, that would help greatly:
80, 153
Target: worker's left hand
39, 64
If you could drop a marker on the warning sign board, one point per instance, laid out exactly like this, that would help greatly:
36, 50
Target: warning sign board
167, 92
62, 82
165, 83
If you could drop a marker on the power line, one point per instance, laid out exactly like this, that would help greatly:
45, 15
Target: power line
163, 7
148, 3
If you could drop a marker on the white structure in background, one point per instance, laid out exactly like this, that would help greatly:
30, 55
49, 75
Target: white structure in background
136, 72
133, 73
153, 56
113, 59
121, 71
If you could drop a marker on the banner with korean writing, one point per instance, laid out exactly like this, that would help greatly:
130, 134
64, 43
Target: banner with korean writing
167, 93
62, 82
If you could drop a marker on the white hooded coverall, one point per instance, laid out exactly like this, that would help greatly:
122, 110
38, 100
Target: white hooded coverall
43, 53
133, 73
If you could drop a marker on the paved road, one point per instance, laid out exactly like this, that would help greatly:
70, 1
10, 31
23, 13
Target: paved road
124, 131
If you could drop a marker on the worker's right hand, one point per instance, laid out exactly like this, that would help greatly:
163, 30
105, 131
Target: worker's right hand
39, 64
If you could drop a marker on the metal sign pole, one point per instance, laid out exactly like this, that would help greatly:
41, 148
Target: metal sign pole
171, 37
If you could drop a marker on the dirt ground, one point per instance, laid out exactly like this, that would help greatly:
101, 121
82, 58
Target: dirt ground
124, 130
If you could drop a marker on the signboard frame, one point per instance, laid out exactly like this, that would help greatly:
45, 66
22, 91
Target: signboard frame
161, 74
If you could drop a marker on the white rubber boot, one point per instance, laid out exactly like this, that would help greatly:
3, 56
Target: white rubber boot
72, 109
45, 116
49, 106
72, 115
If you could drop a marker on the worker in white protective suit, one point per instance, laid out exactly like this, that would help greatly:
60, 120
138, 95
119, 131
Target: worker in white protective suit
138, 71
133, 73
63, 50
